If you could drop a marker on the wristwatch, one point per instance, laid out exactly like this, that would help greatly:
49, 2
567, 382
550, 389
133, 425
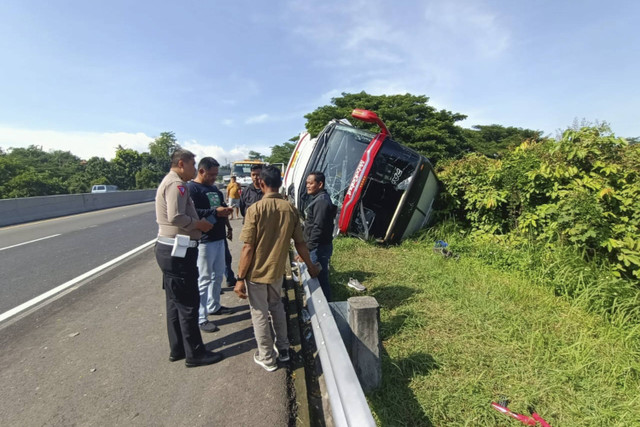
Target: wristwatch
240, 278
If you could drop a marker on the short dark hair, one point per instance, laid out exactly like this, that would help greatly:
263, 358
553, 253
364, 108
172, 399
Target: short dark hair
318, 176
271, 177
256, 167
181, 154
207, 163
233, 177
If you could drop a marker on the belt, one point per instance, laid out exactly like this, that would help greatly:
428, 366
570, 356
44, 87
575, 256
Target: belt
170, 240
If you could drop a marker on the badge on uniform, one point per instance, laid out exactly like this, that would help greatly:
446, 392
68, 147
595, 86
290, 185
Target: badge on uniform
181, 189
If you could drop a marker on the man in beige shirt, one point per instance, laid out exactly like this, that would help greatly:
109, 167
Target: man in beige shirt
176, 215
269, 226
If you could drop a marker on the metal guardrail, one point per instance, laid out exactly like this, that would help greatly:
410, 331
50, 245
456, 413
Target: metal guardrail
349, 407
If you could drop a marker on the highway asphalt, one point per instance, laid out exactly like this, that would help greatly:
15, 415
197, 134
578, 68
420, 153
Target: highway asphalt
99, 355
39, 256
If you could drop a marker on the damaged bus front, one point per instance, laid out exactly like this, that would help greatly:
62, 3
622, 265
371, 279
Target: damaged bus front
383, 190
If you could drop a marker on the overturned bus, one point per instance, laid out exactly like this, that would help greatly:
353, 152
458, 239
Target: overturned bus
383, 190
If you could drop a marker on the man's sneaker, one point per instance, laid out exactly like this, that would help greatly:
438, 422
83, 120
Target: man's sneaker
222, 310
355, 284
269, 368
283, 355
208, 327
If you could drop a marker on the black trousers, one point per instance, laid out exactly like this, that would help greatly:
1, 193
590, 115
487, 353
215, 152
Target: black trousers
180, 283
228, 271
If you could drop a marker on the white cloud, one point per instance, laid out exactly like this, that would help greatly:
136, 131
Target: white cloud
222, 155
418, 47
227, 122
82, 144
257, 119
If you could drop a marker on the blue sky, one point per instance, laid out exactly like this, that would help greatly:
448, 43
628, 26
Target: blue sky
229, 77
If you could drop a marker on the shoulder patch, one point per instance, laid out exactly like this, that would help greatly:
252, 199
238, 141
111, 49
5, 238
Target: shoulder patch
181, 189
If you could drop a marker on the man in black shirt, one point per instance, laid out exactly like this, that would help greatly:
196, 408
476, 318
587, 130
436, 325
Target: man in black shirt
318, 227
209, 203
252, 193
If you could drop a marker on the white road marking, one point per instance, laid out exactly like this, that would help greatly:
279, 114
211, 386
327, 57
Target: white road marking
30, 241
40, 298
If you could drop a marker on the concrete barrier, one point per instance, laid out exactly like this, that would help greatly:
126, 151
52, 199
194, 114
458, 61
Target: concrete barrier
16, 211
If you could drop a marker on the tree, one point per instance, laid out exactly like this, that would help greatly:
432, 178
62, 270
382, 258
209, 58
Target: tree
125, 164
409, 118
146, 178
254, 155
31, 183
160, 151
494, 140
9, 169
281, 153
78, 183
98, 170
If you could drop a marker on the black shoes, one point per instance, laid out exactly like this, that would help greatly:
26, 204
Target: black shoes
283, 356
222, 310
208, 358
208, 327
173, 358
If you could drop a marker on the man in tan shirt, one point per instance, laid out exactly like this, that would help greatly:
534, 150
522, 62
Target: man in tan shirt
176, 214
269, 226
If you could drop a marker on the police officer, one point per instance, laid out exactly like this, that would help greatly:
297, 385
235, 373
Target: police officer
176, 215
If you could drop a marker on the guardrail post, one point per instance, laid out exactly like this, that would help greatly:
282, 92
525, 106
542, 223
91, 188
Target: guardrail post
364, 320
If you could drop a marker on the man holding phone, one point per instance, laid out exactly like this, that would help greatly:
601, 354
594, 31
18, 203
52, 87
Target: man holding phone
209, 203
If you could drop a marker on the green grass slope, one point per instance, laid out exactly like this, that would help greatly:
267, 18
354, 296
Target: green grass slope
458, 334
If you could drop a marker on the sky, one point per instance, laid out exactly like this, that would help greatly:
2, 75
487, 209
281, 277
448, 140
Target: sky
230, 77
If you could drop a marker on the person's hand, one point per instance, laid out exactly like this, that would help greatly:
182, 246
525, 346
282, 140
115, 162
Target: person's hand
203, 225
221, 211
298, 258
240, 289
230, 234
314, 269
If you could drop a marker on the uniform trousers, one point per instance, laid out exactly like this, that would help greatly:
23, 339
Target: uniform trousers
180, 283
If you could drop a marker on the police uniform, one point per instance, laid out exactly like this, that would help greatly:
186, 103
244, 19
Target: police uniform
176, 214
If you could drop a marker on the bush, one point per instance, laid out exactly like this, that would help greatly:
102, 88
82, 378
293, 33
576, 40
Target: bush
582, 191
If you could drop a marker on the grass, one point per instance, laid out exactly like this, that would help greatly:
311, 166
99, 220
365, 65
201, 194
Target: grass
460, 334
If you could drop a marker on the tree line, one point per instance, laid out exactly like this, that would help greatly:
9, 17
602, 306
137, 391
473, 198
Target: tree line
26, 172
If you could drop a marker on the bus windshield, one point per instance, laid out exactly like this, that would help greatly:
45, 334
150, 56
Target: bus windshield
339, 159
242, 169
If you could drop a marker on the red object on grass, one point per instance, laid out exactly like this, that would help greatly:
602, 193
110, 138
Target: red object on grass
522, 418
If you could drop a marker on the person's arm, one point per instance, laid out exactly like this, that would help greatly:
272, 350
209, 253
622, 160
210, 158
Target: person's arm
246, 256
243, 205
229, 229
177, 207
303, 252
248, 236
301, 246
